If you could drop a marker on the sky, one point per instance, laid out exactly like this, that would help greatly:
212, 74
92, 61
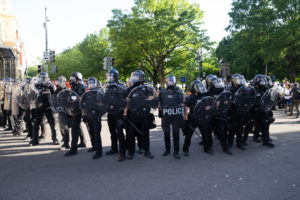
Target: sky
71, 20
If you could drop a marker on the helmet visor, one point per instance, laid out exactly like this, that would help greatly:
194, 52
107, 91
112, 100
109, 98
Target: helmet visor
73, 79
92, 84
110, 77
218, 83
239, 80
171, 81
200, 88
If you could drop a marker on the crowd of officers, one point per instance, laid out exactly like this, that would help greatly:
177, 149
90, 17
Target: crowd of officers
129, 128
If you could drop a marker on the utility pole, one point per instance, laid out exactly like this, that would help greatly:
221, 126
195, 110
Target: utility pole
46, 54
199, 58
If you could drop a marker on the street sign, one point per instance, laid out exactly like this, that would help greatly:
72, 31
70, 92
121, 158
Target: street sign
46, 55
182, 79
53, 69
274, 77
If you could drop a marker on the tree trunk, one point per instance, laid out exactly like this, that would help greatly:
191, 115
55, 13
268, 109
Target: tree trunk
155, 77
162, 76
292, 66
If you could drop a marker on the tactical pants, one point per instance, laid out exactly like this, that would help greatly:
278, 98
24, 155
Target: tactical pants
220, 129
18, 121
139, 126
29, 122
262, 124
76, 119
93, 123
175, 122
248, 128
206, 132
237, 122
38, 120
115, 124
6, 118
64, 125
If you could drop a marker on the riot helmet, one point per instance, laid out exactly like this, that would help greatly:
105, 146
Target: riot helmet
238, 80
99, 84
137, 76
112, 76
75, 78
61, 82
171, 81
259, 80
208, 80
92, 83
269, 81
43, 78
198, 87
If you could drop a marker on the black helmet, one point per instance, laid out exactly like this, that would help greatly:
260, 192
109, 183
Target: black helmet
198, 87
112, 76
43, 78
99, 84
75, 77
217, 83
259, 80
209, 79
92, 83
171, 81
28, 80
137, 76
269, 81
238, 80
61, 81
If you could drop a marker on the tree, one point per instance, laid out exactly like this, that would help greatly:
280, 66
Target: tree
264, 32
85, 57
156, 36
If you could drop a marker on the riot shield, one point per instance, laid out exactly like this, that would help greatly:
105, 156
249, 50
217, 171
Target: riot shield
7, 96
171, 103
91, 103
2, 90
56, 106
31, 93
21, 100
70, 101
139, 99
204, 110
224, 102
269, 99
245, 98
113, 96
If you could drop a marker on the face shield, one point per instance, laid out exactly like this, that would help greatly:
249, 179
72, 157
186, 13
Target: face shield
239, 80
171, 81
199, 88
110, 78
73, 79
61, 83
218, 83
92, 84
42, 80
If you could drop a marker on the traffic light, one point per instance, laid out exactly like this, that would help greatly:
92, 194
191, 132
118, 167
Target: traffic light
52, 56
40, 68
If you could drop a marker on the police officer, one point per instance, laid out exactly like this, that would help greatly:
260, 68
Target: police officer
172, 110
139, 119
93, 122
45, 88
262, 118
64, 119
215, 87
115, 118
7, 104
198, 91
238, 119
78, 87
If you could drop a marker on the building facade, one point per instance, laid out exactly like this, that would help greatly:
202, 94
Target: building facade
12, 53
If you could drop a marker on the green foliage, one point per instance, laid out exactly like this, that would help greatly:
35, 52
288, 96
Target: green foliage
86, 57
263, 33
32, 71
156, 36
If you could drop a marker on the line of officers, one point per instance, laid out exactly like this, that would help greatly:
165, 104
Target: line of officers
30, 101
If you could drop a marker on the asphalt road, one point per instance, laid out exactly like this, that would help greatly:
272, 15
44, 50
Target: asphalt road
42, 172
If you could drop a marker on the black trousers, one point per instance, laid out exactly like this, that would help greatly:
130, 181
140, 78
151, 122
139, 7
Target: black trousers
18, 121
115, 124
175, 122
94, 127
6, 118
38, 118
237, 122
206, 132
221, 130
138, 126
64, 126
75, 131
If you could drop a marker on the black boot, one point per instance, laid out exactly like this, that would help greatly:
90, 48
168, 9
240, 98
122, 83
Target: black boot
70, 153
166, 152
97, 155
176, 155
